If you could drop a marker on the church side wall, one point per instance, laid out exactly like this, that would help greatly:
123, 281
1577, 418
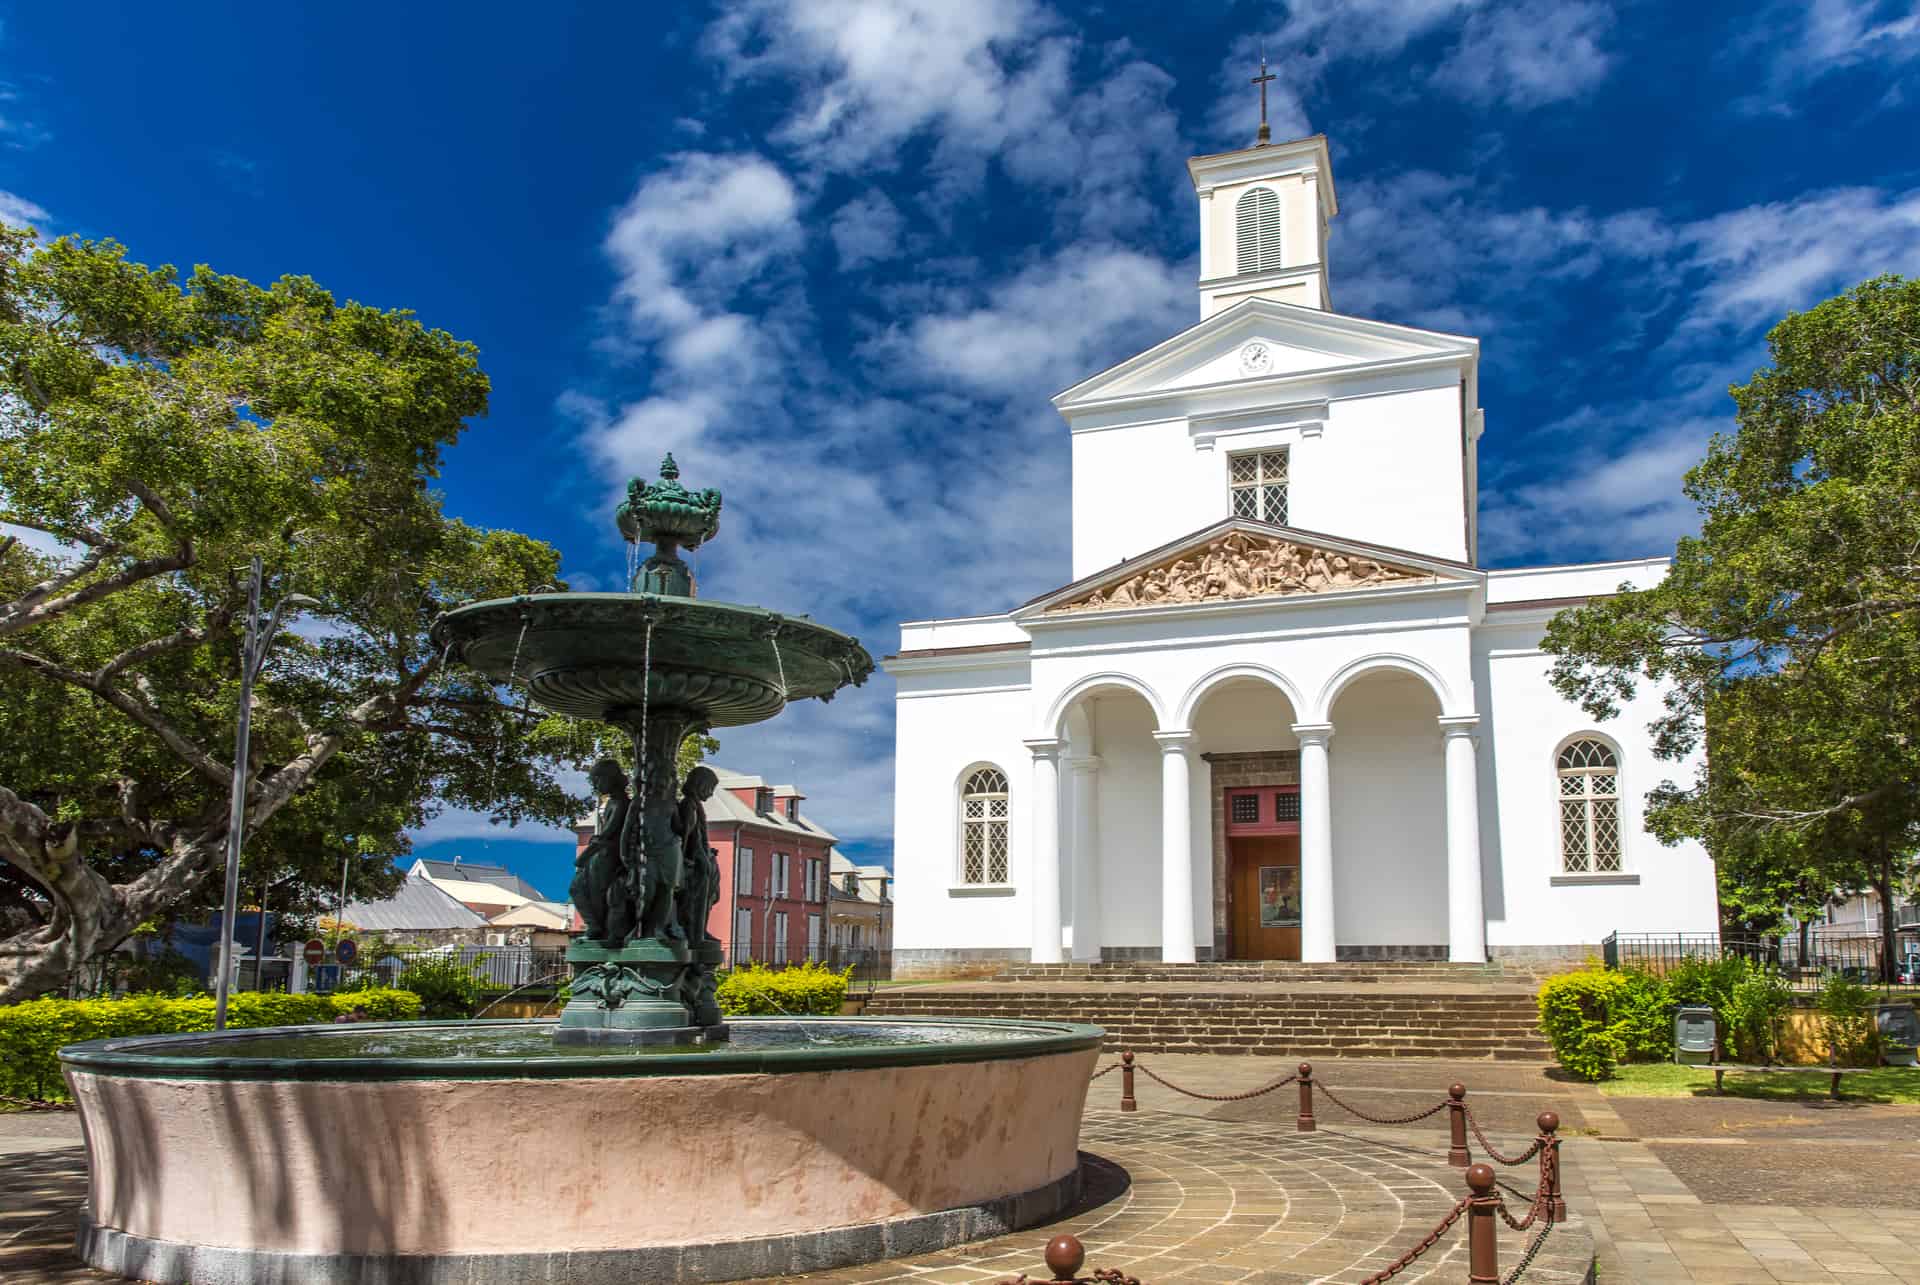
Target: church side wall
1384, 468
1530, 902
945, 724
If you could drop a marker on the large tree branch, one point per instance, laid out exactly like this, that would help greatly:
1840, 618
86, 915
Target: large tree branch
135, 708
191, 636
30, 610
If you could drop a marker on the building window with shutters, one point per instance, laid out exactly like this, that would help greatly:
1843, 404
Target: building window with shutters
743, 872
1257, 486
1588, 775
983, 827
1256, 230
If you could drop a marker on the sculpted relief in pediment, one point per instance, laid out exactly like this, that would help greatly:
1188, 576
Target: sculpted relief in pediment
1239, 565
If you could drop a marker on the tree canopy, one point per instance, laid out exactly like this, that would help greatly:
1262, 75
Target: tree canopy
156, 432
1787, 632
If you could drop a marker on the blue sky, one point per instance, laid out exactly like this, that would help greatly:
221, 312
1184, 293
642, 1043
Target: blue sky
837, 256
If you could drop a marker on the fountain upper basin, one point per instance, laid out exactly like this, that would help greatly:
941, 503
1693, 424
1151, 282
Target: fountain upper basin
588, 654
382, 1152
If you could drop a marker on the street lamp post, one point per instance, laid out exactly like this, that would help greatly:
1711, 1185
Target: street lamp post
253, 656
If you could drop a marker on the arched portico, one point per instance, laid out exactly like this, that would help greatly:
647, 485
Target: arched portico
1390, 662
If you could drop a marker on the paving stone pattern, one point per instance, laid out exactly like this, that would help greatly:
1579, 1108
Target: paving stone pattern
1211, 1200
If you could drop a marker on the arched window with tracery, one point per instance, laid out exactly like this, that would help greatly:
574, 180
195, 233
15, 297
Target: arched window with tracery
1589, 776
1256, 230
983, 827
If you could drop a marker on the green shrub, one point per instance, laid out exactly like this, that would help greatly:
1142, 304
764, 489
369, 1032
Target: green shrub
1751, 1021
168, 973
803, 989
32, 1033
1578, 1016
446, 987
1642, 1017
1846, 1019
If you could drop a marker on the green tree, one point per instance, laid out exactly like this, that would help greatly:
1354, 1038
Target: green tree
1788, 631
155, 434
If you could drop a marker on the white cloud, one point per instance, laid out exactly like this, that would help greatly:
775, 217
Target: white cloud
1523, 53
705, 222
1057, 322
1824, 36
1528, 54
1605, 502
468, 823
867, 229
985, 82
18, 212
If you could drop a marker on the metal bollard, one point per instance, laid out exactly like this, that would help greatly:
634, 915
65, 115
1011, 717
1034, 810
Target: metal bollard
1126, 1082
1483, 1255
1457, 1120
1555, 1200
1304, 1122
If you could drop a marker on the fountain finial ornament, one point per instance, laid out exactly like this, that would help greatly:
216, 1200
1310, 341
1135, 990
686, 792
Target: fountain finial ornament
668, 516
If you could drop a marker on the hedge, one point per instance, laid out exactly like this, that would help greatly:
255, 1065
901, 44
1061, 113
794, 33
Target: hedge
31, 1034
1597, 1018
804, 989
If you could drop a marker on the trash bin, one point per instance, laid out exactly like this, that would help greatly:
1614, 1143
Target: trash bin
1694, 1035
1899, 1032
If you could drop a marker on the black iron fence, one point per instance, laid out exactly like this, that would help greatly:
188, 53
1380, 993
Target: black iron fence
498, 968
1860, 956
869, 964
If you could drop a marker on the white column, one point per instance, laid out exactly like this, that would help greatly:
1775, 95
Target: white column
1316, 844
1466, 908
1044, 878
1085, 775
1176, 848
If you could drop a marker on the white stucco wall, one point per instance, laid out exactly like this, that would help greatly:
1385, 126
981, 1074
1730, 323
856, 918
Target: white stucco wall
1526, 722
1384, 468
1129, 792
945, 723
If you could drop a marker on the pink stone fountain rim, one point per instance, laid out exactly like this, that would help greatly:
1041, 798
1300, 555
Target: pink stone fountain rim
947, 1042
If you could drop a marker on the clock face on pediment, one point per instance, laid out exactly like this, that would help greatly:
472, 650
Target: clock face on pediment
1256, 358
1241, 564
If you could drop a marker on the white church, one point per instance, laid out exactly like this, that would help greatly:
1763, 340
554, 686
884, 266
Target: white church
1282, 711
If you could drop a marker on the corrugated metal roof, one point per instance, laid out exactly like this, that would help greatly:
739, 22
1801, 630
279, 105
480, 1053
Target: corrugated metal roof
479, 872
418, 904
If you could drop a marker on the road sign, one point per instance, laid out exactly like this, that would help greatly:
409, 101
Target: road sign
314, 952
346, 950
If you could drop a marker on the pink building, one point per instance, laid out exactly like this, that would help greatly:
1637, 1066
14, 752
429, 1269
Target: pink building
774, 868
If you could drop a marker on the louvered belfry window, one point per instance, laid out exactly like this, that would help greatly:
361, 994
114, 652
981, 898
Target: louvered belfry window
1256, 230
983, 827
1589, 776
1258, 482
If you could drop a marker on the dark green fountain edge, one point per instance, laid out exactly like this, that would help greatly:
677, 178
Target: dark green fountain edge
129, 1055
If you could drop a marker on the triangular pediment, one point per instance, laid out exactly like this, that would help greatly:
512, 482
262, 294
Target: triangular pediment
1261, 339
1241, 560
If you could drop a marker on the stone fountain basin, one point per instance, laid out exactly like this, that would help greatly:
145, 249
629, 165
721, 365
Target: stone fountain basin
213, 1159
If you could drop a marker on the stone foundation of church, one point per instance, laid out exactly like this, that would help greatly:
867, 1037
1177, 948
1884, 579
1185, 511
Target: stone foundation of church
960, 962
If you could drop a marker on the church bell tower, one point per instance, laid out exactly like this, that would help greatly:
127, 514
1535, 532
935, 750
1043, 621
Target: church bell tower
1263, 220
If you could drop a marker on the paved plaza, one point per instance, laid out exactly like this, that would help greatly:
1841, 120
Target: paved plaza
1663, 1190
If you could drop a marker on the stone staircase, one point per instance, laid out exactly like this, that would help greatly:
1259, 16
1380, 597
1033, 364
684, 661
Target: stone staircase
1269, 971
1297, 1011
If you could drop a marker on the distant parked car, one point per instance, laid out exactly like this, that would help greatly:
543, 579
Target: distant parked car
1909, 974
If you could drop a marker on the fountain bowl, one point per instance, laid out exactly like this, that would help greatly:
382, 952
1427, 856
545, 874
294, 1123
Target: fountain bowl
482, 1152
588, 654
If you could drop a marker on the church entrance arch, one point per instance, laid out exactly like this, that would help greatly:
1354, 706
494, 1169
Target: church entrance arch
1243, 729
1388, 806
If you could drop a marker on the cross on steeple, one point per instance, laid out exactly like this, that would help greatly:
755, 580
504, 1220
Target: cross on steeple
1266, 135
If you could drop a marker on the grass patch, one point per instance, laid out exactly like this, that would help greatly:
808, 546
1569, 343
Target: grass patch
1668, 1080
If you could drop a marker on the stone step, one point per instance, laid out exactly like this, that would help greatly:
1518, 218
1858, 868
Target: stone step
1500, 1027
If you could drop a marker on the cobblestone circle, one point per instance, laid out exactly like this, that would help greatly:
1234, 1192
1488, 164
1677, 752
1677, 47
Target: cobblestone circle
1230, 1201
